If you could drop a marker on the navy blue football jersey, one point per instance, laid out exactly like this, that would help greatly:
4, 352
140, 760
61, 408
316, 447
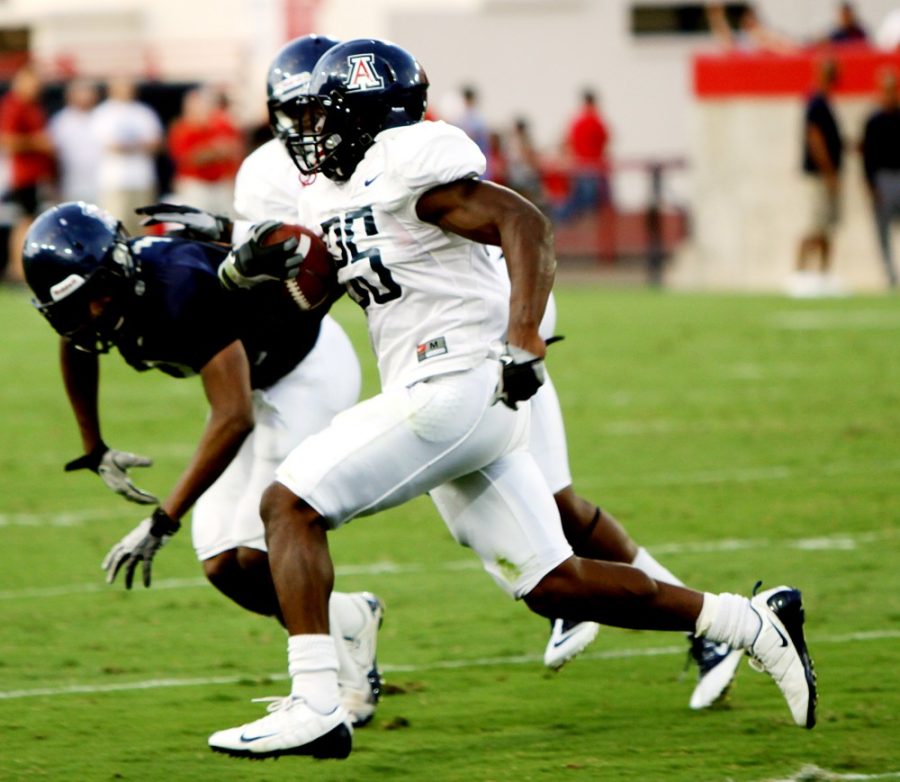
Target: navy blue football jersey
179, 317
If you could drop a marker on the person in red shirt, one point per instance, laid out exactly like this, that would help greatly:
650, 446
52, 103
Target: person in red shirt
24, 139
206, 149
586, 143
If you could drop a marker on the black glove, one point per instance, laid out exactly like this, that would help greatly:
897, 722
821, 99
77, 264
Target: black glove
112, 466
140, 545
255, 261
522, 374
197, 224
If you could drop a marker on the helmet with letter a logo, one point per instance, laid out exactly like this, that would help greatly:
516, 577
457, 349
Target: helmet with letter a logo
358, 89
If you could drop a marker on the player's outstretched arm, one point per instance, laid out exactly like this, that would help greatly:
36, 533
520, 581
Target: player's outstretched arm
226, 381
81, 377
490, 214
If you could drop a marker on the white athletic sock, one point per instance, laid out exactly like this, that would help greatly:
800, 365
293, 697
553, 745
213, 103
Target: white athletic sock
643, 561
342, 622
728, 618
345, 611
313, 665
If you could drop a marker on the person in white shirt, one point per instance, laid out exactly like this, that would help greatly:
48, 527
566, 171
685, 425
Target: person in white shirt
129, 133
77, 148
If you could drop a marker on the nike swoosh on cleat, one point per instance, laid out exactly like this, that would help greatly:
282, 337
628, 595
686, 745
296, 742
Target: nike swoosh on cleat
565, 637
784, 641
248, 739
370, 181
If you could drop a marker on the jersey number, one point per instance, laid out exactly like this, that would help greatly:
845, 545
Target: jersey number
342, 229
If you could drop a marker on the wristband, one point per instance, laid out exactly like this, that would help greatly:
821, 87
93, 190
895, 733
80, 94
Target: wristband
163, 524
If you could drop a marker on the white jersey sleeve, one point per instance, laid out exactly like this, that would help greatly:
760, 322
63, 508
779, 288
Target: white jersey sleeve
444, 154
267, 187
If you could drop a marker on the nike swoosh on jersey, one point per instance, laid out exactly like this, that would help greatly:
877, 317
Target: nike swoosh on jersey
370, 181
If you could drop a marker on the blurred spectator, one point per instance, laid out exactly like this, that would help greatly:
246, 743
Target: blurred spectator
881, 158
751, 33
77, 148
129, 134
849, 29
523, 164
887, 37
585, 147
472, 121
206, 149
496, 159
24, 138
822, 158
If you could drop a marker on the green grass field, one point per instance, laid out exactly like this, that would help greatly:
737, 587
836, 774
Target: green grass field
738, 438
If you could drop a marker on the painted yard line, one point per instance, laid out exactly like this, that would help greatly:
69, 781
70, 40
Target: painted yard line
800, 320
482, 662
816, 774
837, 542
737, 475
74, 518
741, 475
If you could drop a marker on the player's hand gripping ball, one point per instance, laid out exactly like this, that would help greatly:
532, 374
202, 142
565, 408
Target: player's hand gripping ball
315, 282
289, 253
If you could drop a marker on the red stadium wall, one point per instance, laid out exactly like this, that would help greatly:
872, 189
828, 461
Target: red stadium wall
750, 203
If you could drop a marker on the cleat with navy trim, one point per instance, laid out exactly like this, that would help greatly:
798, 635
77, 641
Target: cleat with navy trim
291, 727
716, 663
568, 639
360, 696
780, 649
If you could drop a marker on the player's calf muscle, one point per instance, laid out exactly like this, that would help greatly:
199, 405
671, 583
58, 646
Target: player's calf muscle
590, 590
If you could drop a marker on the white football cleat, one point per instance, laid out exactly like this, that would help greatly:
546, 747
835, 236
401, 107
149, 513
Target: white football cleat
567, 639
780, 650
717, 664
291, 727
361, 691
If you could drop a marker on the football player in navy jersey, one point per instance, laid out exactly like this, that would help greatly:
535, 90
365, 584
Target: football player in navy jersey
458, 348
272, 373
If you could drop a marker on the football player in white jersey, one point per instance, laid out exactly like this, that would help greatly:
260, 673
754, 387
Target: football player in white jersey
268, 187
403, 210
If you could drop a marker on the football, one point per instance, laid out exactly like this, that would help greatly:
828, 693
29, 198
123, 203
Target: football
316, 283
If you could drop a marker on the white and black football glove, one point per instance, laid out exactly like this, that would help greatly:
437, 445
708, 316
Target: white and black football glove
112, 466
521, 375
140, 545
254, 261
195, 223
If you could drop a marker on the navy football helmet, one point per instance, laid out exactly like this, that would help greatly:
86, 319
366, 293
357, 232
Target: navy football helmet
75, 254
289, 76
358, 89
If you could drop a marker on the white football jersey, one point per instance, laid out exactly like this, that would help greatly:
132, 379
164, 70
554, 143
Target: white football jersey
435, 302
